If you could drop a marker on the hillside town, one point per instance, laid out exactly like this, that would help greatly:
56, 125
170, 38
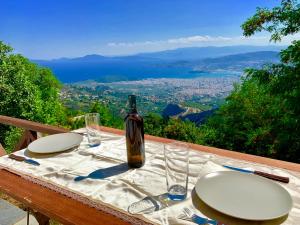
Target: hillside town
200, 93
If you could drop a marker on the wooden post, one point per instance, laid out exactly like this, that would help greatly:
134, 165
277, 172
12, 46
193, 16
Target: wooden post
2, 151
27, 137
42, 219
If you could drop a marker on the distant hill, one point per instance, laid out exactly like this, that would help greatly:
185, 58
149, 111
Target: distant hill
177, 63
194, 53
198, 118
237, 62
172, 110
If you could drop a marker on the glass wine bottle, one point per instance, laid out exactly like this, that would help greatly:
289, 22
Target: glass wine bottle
134, 135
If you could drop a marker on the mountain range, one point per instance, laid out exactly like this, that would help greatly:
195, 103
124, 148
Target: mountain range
178, 63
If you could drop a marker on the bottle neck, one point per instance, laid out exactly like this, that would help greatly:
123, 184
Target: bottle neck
132, 104
132, 110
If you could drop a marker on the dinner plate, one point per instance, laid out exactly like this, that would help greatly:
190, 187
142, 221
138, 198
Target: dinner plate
244, 196
55, 143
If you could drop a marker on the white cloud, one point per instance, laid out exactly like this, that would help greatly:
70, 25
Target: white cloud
114, 48
197, 39
132, 44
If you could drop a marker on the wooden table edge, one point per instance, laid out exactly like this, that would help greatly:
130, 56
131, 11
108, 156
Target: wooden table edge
66, 211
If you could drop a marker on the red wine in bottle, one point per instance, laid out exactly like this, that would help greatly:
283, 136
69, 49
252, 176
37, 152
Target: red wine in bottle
134, 135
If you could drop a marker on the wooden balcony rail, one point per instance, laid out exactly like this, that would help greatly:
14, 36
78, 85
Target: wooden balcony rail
30, 131
32, 127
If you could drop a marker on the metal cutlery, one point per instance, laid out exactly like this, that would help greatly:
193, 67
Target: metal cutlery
260, 173
189, 215
23, 159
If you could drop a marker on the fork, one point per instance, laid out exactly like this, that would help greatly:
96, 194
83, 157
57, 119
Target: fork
198, 219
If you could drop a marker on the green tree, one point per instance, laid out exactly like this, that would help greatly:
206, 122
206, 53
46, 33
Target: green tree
27, 92
154, 124
279, 21
262, 114
107, 118
182, 130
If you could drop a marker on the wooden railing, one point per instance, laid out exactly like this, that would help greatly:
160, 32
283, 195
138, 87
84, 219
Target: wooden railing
30, 131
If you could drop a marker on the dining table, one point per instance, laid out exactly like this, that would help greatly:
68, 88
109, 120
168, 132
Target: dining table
93, 185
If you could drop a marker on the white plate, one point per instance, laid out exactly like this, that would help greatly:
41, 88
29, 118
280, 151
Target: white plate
55, 143
244, 196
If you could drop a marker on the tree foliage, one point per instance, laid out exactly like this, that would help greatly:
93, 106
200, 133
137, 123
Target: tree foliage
279, 21
262, 114
107, 118
27, 92
156, 125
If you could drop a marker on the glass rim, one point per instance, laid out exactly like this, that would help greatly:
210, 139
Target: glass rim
178, 143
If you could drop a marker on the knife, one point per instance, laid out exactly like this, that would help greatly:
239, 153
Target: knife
260, 173
23, 159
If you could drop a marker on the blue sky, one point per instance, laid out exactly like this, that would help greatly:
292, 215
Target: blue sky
64, 28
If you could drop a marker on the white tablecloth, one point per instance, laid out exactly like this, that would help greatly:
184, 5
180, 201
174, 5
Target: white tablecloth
115, 193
